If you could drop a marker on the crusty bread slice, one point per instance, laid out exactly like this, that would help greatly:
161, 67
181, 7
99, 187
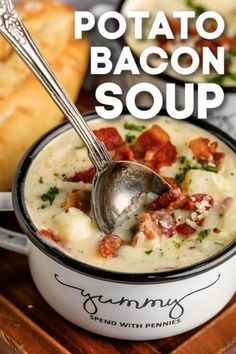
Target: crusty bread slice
26, 110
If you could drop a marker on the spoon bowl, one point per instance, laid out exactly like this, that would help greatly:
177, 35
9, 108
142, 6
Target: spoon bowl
118, 188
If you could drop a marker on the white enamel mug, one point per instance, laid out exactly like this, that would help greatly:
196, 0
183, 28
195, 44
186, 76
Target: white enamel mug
114, 304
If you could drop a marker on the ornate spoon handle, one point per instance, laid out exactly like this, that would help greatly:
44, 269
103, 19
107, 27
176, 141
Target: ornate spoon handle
17, 35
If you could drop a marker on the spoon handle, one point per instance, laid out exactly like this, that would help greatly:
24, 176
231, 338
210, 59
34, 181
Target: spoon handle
17, 35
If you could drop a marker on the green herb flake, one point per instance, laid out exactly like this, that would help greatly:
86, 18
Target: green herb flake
199, 9
134, 127
129, 138
182, 159
41, 180
148, 252
217, 79
221, 215
179, 178
203, 234
212, 169
161, 252
50, 195
56, 174
43, 206
176, 244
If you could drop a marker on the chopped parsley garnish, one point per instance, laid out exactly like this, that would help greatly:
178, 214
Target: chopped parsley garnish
212, 169
199, 9
50, 195
56, 174
41, 180
203, 234
176, 244
148, 252
43, 206
182, 159
134, 127
179, 178
221, 215
161, 252
129, 138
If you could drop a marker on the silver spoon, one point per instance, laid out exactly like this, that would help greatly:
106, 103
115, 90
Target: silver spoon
116, 184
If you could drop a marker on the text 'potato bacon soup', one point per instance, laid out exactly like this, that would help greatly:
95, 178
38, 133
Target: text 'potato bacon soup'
185, 225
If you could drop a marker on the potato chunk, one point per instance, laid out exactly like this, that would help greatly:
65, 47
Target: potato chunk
73, 225
213, 184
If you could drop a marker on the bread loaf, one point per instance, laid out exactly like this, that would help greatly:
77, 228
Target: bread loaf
26, 110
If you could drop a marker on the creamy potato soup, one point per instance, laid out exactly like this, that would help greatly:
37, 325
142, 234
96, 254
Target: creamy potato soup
226, 8
192, 221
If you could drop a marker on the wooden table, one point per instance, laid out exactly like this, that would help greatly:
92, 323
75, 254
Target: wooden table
29, 325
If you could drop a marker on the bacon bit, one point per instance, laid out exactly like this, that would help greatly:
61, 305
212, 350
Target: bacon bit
171, 182
149, 155
78, 199
203, 149
165, 221
148, 227
150, 139
218, 158
185, 229
85, 176
50, 235
133, 242
123, 152
165, 199
198, 198
150, 233
201, 222
165, 155
110, 137
109, 245
216, 230
180, 203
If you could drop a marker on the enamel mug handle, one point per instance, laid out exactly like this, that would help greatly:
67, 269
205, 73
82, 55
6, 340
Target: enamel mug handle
11, 240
